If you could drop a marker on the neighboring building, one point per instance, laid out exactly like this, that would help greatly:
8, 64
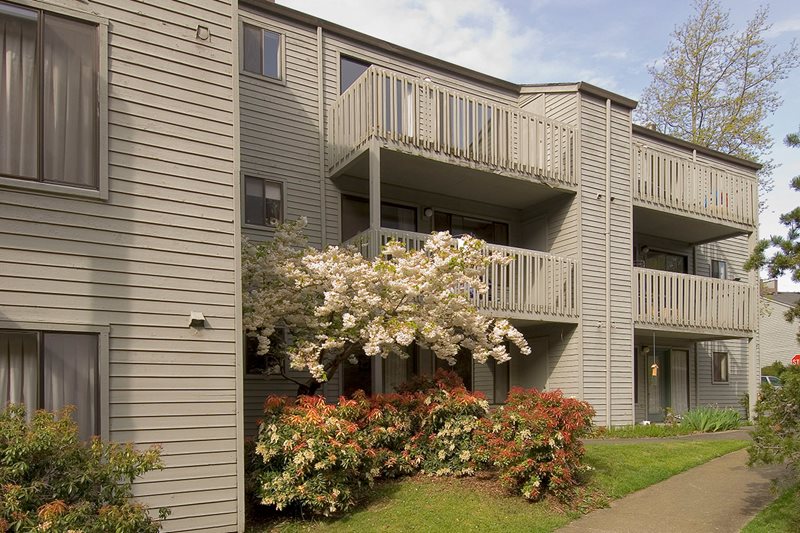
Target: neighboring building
627, 244
117, 221
779, 341
139, 139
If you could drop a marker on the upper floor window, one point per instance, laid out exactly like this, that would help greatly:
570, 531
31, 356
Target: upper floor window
262, 51
666, 261
349, 71
51, 370
487, 230
263, 201
50, 111
719, 269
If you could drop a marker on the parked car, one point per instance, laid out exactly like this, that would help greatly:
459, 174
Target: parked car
771, 380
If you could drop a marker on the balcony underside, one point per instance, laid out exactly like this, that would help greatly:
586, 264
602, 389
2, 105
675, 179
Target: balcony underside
420, 172
689, 333
693, 229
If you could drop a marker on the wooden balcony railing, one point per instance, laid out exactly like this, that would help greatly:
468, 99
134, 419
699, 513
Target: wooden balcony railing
535, 285
671, 300
678, 184
415, 114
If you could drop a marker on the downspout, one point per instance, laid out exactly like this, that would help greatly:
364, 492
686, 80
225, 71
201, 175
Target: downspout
323, 196
608, 262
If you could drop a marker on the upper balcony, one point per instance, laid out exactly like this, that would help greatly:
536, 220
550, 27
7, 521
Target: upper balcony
411, 115
680, 195
533, 287
693, 306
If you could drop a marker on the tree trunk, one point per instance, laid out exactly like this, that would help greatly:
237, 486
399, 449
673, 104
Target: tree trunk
310, 387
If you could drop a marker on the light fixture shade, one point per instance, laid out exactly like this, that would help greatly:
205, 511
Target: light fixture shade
428, 212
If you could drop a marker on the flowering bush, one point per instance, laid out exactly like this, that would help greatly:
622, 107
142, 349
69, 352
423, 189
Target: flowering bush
534, 442
451, 423
317, 456
51, 480
330, 305
441, 379
311, 454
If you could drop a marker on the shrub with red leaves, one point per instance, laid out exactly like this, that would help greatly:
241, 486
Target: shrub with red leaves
534, 442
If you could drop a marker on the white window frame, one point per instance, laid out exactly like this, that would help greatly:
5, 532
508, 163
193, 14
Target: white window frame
243, 203
252, 21
102, 332
101, 193
725, 268
727, 368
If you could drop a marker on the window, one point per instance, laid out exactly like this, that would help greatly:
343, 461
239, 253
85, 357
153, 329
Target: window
355, 216
491, 232
666, 261
349, 71
263, 202
262, 51
50, 370
719, 269
50, 132
719, 363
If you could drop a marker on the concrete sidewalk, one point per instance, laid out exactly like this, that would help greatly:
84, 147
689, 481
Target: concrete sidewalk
723, 494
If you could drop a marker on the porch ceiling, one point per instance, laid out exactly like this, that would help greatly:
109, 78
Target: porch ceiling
693, 230
423, 174
689, 334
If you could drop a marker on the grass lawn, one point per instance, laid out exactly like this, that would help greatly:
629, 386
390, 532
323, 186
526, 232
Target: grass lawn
639, 431
781, 515
436, 504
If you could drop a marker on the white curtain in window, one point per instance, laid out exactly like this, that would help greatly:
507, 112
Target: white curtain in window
70, 377
18, 91
19, 370
70, 102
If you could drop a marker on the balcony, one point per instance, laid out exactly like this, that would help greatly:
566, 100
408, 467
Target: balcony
534, 287
693, 306
411, 115
700, 200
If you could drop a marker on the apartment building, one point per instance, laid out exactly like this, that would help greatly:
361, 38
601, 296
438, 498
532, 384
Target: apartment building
140, 139
117, 223
627, 244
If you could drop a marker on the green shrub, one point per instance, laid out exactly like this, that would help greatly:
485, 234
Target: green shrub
312, 455
447, 438
776, 437
52, 480
708, 419
534, 441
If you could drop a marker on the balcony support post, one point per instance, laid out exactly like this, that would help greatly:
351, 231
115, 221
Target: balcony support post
374, 186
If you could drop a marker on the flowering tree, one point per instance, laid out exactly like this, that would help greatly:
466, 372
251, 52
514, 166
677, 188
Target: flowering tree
324, 307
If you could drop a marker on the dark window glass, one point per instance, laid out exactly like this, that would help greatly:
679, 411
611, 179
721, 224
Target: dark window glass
51, 370
357, 376
666, 261
262, 51
720, 367
719, 269
263, 202
491, 232
463, 367
355, 216
349, 71
49, 129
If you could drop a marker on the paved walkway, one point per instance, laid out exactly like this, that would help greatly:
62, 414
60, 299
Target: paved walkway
723, 494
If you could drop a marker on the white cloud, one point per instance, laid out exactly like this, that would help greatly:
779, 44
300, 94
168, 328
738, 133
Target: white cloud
784, 26
479, 34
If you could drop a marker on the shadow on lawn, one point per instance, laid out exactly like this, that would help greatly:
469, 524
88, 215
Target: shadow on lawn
261, 518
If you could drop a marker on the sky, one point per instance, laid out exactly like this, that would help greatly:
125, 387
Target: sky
609, 43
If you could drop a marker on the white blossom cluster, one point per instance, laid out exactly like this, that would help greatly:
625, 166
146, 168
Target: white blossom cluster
335, 302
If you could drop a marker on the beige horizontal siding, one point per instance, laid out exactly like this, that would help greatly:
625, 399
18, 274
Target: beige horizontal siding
159, 248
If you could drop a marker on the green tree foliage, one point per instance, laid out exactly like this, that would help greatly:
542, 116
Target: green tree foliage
715, 86
785, 258
776, 438
50, 480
